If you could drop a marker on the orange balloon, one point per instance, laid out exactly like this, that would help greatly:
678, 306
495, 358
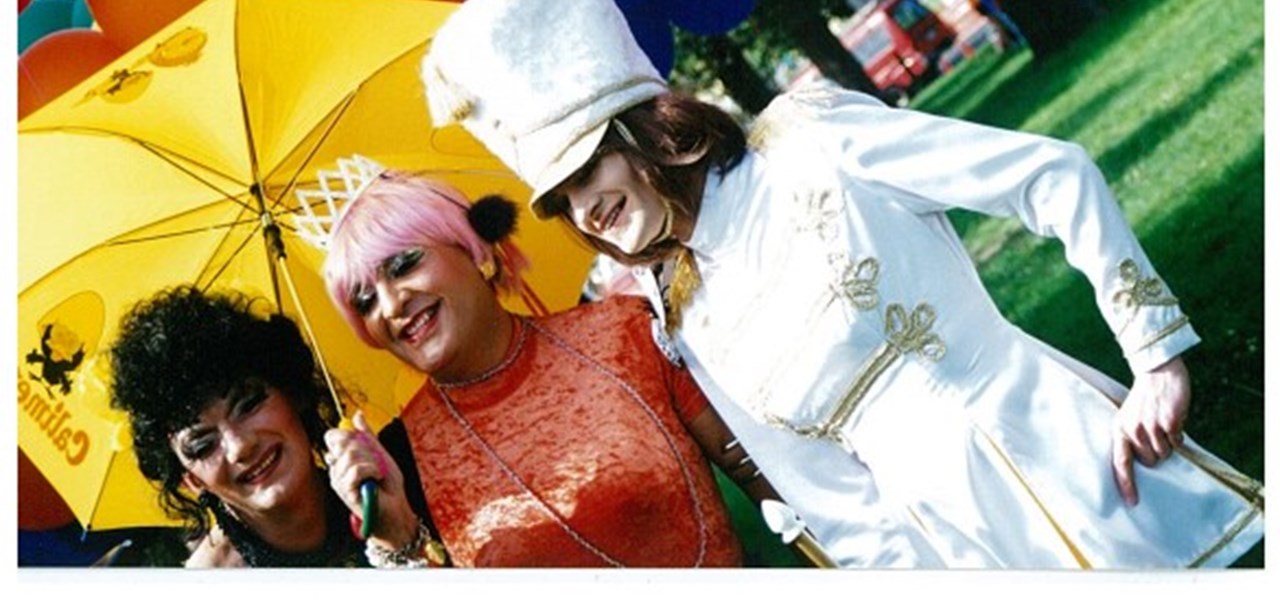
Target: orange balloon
56, 62
128, 22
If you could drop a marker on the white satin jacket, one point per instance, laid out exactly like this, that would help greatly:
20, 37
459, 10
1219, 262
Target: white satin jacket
842, 332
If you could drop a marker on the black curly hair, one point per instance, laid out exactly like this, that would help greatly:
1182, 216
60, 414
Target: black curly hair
184, 348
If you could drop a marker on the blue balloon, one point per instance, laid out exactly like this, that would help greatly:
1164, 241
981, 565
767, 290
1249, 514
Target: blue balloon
651, 27
708, 17
40, 19
650, 22
80, 14
43, 17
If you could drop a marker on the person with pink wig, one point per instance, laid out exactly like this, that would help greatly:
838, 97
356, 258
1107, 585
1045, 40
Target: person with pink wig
570, 440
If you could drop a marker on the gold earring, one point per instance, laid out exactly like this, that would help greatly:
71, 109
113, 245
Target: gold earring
488, 269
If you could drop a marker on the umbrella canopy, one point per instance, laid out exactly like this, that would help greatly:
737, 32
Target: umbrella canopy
177, 163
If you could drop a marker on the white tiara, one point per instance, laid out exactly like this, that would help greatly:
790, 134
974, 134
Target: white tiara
337, 189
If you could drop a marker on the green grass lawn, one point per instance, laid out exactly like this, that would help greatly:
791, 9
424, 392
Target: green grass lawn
1168, 98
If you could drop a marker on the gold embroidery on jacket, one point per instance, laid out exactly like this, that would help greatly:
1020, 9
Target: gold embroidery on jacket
905, 333
821, 214
817, 211
855, 282
1137, 291
1227, 537
1166, 332
760, 133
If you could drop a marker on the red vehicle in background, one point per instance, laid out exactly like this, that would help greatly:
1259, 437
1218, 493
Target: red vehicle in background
899, 43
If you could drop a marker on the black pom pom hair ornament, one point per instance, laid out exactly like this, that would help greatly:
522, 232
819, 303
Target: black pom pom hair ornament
493, 218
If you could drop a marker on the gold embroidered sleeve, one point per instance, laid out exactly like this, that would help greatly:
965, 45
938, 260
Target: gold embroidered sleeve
1137, 291
1149, 324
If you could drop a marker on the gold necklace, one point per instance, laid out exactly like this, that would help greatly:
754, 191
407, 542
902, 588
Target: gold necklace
515, 478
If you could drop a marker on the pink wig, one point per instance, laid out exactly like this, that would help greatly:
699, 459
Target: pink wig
400, 211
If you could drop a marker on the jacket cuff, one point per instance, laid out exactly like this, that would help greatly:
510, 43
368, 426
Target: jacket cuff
1163, 334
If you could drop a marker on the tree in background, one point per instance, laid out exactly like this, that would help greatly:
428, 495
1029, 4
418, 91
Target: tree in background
706, 58
802, 24
1050, 25
740, 58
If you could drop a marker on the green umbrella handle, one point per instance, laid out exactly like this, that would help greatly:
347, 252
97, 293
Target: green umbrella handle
368, 507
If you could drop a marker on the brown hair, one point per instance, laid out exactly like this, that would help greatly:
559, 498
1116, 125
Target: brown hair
663, 130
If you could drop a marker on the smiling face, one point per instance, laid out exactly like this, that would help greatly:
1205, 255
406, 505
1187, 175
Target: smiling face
430, 306
611, 201
250, 449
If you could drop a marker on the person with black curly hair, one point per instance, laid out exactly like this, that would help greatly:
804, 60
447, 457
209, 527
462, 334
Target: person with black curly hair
229, 419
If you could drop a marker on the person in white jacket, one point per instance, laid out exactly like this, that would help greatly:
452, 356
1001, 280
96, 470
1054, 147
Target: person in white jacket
827, 308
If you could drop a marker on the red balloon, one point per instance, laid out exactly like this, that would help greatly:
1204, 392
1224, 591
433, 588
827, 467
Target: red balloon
57, 62
128, 22
40, 508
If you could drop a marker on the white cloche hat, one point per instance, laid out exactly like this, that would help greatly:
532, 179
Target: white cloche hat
537, 81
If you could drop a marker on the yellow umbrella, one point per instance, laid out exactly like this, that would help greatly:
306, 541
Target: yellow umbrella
177, 164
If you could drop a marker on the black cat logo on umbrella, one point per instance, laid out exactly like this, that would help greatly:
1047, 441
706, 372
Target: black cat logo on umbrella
55, 357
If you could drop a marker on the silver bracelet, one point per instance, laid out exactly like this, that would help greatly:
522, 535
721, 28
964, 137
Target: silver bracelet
411, 556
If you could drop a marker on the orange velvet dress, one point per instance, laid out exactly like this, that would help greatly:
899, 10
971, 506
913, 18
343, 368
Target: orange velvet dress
573, 452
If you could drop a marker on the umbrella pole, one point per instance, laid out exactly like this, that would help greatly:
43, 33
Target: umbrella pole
368, 487
315, 344
275, 247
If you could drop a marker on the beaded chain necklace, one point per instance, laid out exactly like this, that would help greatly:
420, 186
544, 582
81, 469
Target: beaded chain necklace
507, 470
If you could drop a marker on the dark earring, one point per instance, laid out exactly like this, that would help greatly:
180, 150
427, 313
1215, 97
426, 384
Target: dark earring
207, 499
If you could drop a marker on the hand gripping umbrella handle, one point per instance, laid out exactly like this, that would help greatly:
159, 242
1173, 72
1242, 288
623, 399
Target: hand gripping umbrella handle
368, 507
368, 495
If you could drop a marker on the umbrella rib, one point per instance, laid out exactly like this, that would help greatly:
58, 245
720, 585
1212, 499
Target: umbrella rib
315, 342
248, 238
161, 152
256, 189
173, 234
225, 194
245, 121
124, 239
97, 500
341, 110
